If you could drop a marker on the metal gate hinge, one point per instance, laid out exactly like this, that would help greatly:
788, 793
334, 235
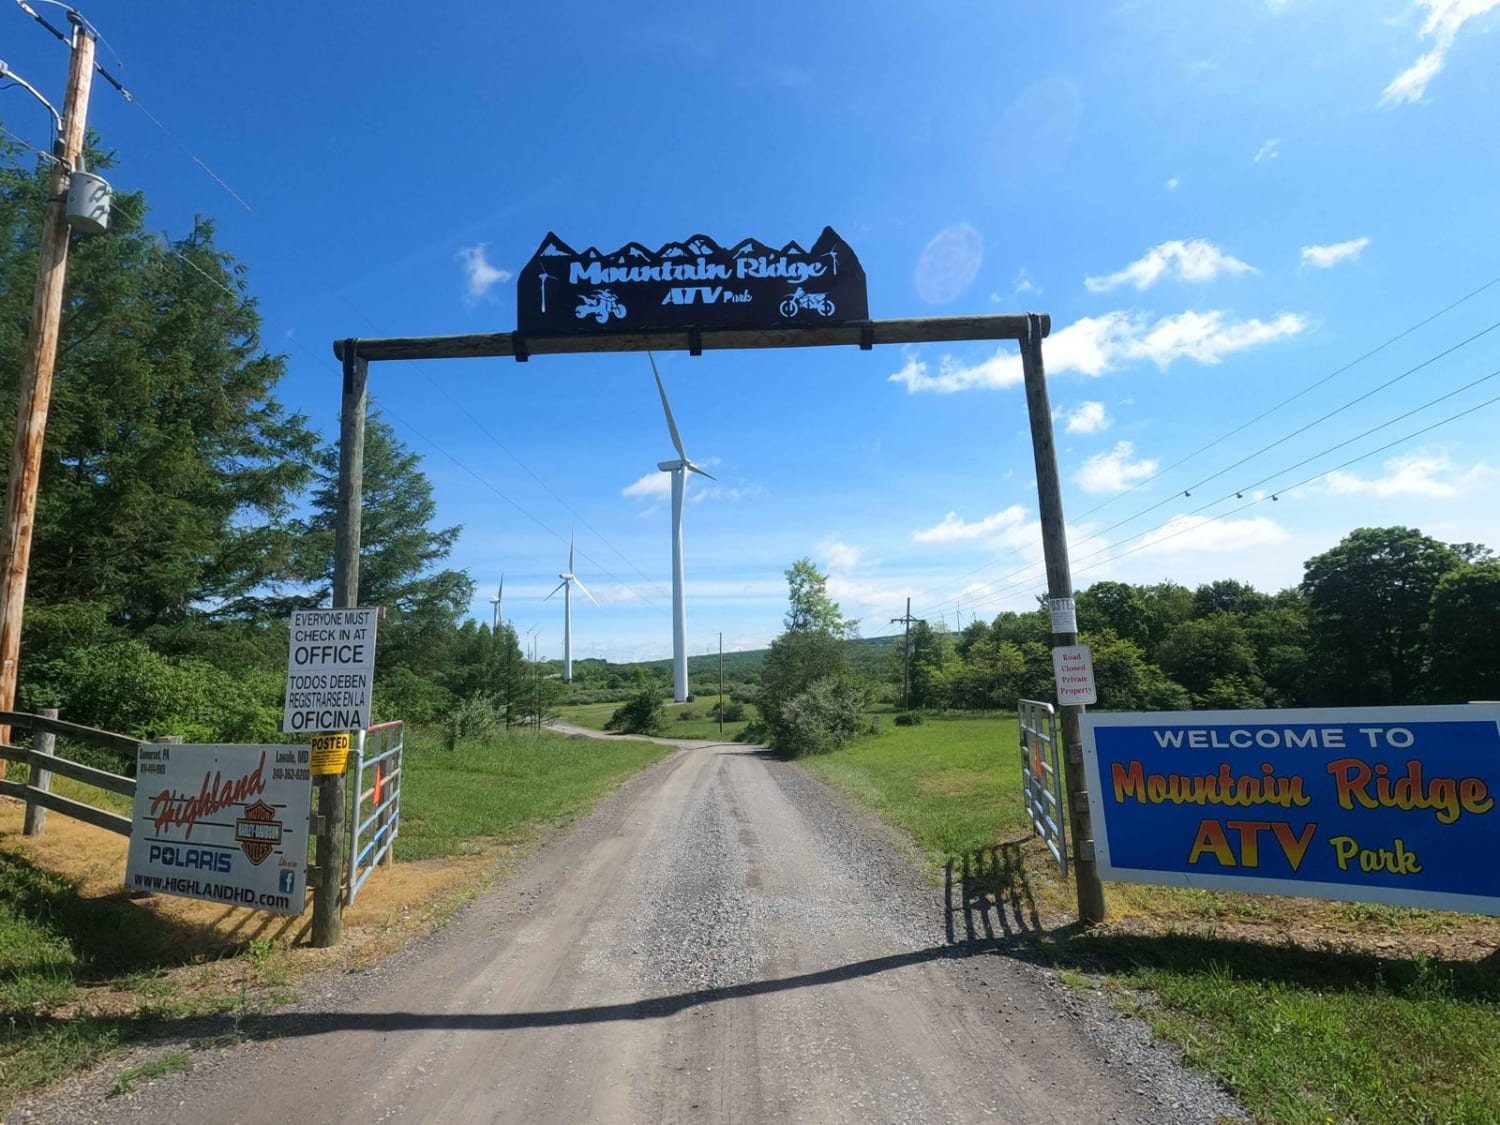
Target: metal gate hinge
1083, 849
1075, 754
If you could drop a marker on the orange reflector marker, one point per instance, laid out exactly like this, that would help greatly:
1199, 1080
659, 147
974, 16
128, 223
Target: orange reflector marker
379, 781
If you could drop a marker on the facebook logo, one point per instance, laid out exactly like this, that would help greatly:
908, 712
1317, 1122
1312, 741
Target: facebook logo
288, 880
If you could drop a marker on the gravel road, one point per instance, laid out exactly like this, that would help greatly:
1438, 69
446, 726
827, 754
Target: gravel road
725, 939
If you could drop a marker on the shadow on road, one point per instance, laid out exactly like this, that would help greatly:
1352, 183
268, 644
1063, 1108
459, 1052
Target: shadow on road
992, 894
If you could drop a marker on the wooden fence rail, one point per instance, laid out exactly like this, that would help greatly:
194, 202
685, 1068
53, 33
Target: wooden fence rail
37, 791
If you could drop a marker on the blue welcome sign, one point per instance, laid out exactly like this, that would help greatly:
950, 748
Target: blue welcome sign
1388, 805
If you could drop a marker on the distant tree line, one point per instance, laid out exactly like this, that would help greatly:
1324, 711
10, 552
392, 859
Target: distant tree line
1387, 616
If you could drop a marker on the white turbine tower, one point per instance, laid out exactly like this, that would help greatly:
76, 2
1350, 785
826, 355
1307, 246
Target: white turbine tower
569, 580
679, 470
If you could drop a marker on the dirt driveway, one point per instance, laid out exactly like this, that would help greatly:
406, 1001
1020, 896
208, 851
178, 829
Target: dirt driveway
723, 940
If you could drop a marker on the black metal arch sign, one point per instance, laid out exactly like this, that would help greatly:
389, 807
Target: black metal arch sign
692, 284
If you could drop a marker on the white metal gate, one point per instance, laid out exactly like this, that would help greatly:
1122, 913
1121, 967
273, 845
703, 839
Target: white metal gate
1041, 778
375, 811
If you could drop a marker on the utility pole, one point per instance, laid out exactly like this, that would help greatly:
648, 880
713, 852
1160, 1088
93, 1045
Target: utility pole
905, 657
1060, 590
721, 681
35, 394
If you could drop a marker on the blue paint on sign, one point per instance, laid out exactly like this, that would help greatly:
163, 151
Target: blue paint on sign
1390, 805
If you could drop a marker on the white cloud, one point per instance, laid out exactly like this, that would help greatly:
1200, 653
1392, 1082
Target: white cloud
652, 486
1024, 284
952, 528
840, 556
1427, 475
1184, 534
1088, 418
699, 493
1195, 260
480, 275
1269, 150
1324, 256
1445, 18
1114, 471
1096, 344
1173, 183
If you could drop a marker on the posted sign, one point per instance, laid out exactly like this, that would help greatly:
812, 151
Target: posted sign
222, 823
1073, 672
1392, 805
330, 670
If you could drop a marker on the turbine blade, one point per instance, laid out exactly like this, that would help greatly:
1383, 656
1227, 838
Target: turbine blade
586, 593
570, 552
560, 585
692, 468
666, 406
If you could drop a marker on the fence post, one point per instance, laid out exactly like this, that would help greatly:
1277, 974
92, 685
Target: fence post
43, 742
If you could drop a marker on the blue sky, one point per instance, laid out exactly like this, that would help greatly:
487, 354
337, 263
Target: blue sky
1219, 204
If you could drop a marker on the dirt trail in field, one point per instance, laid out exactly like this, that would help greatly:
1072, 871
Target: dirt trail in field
724, 940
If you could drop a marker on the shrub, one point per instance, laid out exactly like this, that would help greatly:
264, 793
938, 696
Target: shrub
475, 717
129, 688
643, 713
824, 718
733, 712
687, 715
909, 719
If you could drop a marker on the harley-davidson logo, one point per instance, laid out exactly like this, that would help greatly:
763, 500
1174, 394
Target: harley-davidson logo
258, 831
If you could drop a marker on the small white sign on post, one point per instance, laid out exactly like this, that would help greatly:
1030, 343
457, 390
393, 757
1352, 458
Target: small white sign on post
330, 671
1064, 615
222, 823
1073, 669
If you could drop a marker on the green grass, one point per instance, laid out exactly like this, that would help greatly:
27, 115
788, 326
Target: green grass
595, 715
953, 784
506, 788
170, 1063
1301, 1035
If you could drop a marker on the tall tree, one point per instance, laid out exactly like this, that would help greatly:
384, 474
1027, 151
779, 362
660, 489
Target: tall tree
1118, 607
401, 550
809, 608
169, 469
1368, 602
1463, 635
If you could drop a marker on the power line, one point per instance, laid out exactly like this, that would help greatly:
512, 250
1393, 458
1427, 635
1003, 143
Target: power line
527, 469
936, 606
74, 14
489, 485
994, 595
1293, 398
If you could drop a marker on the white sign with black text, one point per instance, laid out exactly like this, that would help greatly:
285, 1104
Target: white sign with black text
222, 823
1073, 668
330, 670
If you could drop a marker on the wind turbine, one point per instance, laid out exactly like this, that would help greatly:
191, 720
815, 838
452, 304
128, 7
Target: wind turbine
496, 603
566, 586
679, 470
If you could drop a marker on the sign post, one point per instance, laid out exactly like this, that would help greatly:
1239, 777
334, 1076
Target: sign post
222, 823
1064, 624
1392, 805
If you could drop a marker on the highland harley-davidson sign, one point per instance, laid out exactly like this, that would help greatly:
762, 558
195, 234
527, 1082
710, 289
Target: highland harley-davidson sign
222, 823
692, 284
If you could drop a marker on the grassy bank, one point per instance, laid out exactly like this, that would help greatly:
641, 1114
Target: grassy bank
683, 720
1309, 1011
503, 790
84, 969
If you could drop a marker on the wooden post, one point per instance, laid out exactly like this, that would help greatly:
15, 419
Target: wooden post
43, 742
35, 395
1060, 585
721, 683
328, 906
